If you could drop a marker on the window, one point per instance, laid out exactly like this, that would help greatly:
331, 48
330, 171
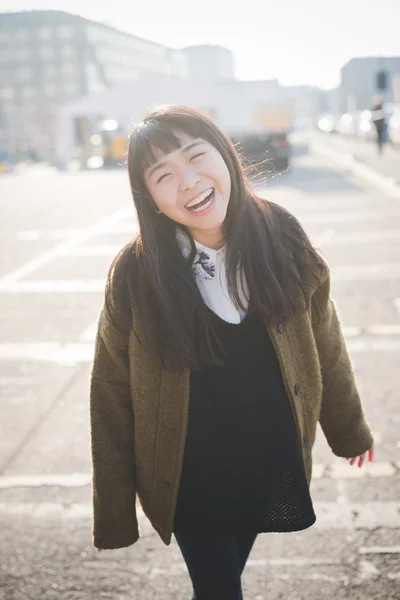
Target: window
28, 92
45, 33
5, 55
23, 73
67, 51
21, 54
69, 68
50, 71
50, 89
21, 35
71, 88
46, 52
66, 32
7, 93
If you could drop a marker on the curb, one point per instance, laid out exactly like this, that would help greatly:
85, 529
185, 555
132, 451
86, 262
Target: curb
388, 185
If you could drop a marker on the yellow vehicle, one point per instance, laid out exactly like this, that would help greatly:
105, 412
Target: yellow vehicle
113, 144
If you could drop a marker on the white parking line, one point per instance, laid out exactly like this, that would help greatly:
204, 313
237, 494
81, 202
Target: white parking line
320, 471
372, 272
373, 338
11, 284
330, 237
58, 286
349, 216
49, 256
93, 251
373, 345
52, 352
330, 515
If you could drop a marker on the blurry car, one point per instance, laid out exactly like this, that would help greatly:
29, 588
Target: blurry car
394, 126
327, 123
348, 123
366, 129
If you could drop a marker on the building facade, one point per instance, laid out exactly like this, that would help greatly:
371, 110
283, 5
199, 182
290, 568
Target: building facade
359, 81
50, 57
210, 62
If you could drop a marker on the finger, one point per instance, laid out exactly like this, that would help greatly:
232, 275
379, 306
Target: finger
353, 460
371, 454
361, 462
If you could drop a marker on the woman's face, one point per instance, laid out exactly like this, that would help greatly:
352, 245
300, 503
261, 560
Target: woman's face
192, 186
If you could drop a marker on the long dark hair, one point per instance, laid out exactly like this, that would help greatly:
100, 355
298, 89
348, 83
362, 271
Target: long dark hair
151, 277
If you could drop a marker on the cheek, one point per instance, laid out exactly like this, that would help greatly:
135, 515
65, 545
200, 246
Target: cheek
224, 178
164, 196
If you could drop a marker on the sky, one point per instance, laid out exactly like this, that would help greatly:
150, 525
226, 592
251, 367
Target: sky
297, 42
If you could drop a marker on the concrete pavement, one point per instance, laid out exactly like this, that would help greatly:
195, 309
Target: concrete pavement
59, 235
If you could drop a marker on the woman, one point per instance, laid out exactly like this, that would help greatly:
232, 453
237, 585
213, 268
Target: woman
218, 350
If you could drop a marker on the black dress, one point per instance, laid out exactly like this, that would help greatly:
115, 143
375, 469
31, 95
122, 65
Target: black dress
242, 466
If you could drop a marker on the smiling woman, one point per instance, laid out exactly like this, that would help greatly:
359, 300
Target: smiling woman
189, 183
218, 351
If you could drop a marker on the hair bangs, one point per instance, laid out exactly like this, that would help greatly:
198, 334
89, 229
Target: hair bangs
162, 135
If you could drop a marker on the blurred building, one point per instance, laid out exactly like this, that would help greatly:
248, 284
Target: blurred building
210, 62
50, 57
359, 81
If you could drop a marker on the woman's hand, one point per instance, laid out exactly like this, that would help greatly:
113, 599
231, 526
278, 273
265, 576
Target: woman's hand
99, 549
362, 458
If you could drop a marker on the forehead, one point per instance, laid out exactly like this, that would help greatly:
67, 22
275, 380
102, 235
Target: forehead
163, 154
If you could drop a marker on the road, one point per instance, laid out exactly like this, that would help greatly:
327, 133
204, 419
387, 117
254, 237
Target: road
59, 233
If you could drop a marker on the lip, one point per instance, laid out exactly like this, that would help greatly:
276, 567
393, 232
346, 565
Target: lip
199, 194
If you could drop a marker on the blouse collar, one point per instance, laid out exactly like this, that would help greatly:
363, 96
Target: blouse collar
205, 262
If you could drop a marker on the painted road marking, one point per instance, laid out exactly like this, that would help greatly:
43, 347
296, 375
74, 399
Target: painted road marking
325, 471
86, 251
339, 274
357, 346
54, 287
47, 257
48, 352
378, 469
331, 237
349, 216
74, 353
330, 515
350, 332
372, 272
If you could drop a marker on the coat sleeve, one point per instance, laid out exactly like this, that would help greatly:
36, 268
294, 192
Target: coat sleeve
341, 418
112, 440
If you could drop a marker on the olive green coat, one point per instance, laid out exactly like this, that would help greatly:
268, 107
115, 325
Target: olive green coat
139, 413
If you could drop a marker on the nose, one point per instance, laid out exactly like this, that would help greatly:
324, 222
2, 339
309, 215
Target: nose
189, 180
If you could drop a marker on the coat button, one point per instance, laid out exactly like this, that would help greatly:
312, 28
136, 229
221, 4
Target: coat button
297, 389
304, 442
281, 327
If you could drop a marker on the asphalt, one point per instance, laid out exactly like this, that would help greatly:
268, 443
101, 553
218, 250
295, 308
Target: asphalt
58, 234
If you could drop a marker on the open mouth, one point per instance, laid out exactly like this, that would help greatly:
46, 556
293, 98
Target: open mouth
203, 203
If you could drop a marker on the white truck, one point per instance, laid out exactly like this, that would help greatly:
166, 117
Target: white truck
258, 116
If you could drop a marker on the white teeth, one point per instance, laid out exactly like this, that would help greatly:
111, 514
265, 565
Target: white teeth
199, 198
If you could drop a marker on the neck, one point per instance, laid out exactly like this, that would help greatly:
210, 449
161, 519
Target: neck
211, 238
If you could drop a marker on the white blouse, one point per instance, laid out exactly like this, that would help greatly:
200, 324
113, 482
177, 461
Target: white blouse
210, 275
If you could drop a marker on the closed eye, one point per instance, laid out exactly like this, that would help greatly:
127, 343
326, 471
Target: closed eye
197, 155
162, 177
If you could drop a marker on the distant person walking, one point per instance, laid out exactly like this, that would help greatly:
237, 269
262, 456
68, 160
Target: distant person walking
378, 117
